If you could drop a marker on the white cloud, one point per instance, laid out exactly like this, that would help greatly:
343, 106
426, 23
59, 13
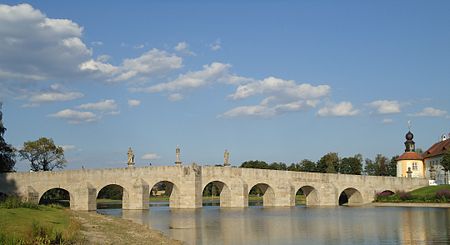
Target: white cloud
55, 96
56, 93
103, 58
150, 156
73, 116
134, 103
280, 87
175, 97
183, 47
68, 147
139, 46
387, 121
386, 106
215, 72
342, 109
430, 112
216, 45
151, 63
98, 66
265, 109
35, 47
105, 105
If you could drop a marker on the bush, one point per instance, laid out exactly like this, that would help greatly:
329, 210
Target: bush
404, 195
443, 195
16, 202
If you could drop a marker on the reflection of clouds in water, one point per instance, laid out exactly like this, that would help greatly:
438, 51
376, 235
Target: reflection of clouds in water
299, 225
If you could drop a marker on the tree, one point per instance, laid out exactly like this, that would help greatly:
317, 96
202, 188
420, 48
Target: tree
255, 164
392, 167
278, 166
329, 163
43, 154
381, 161
445, 162
294, 167
307, 166
351, 165
7, 152
371, 168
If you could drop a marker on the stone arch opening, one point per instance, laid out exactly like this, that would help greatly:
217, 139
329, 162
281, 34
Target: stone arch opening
387, 193
350, 197
216, 193
307, 195
164, 193
111, 196
261, 194
58, 196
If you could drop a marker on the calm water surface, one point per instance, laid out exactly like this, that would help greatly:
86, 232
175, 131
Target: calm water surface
296, 225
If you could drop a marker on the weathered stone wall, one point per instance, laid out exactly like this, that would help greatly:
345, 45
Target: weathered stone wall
188, 182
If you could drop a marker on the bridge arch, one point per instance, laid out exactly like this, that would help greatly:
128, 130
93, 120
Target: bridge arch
266, 191
223, 190
56, 195
311, 195
170, 189
350, 196
114, 192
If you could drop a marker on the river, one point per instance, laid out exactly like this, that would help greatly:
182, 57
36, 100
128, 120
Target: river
257, 225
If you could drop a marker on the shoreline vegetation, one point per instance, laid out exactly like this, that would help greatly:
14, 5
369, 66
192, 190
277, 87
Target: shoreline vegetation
429, 196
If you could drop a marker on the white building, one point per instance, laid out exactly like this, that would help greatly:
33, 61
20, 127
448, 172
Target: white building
433, 156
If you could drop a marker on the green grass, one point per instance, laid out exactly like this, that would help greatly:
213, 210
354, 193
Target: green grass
429, 191
36, 224
426, 194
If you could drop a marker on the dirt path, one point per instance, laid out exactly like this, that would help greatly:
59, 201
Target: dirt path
100, 229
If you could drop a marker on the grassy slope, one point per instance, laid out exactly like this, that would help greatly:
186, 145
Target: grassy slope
429, 190
18, 221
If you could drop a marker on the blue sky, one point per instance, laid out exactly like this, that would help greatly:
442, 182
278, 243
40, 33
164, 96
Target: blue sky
274, 81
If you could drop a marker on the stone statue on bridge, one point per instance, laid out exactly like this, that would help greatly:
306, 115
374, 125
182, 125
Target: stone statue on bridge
130, 157
226, 158
177, 156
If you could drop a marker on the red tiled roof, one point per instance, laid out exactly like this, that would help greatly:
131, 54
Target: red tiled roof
438, 148
410, 156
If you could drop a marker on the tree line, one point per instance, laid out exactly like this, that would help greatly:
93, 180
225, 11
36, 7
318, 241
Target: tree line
332, 163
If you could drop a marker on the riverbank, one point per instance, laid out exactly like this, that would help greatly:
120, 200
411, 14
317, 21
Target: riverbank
25, 223
101, 229
411, 204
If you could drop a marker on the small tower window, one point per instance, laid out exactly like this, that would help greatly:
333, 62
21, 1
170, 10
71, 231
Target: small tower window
414, 166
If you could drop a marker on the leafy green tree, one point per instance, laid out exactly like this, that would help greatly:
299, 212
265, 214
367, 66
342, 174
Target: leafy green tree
371, 168
43, 154
278, 166
381, 161
255, 164
351, 165
7, 152
329, 163
294, 167
445, 162
392, 167
307, 166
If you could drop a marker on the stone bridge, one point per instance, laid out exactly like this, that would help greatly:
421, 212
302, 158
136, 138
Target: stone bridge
186, 184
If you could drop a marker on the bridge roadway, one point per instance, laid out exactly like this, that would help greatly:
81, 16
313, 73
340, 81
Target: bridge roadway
187, 182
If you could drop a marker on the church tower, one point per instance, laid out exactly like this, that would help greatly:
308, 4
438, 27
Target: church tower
410, 163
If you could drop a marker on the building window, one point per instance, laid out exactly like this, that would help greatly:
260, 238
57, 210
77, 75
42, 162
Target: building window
414, 166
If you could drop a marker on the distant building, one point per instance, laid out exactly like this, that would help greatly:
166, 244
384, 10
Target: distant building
414, 165
433, 156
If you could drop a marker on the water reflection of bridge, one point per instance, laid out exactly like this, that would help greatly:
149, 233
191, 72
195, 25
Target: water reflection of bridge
186, 184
